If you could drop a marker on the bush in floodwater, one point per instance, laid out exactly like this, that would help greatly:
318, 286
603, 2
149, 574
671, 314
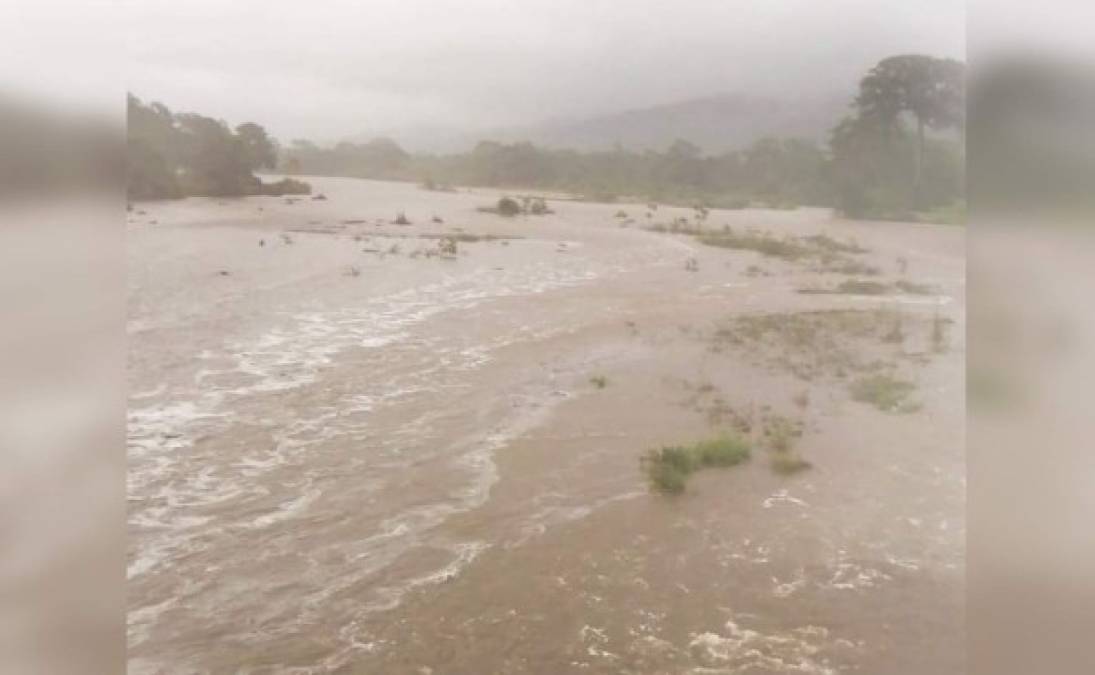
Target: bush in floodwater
722, 451
665, 477
788, 463
507, 206
599, 381
762, 243
285, 186
537, 206
447, 247
884, 392
668, 469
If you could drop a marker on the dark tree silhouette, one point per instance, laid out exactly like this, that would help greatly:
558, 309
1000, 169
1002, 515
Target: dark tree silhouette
932, 90
259, 149
173, 155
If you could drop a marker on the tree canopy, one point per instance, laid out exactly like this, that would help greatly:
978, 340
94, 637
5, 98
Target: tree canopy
174, 155
879, 166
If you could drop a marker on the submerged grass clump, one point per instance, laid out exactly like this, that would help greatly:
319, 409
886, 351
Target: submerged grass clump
885, 392
860, 287
668, 469
722, 451
831, 254
599, 381
788, 463
851, 268
913, 288
765, 244
780, 434
827, 243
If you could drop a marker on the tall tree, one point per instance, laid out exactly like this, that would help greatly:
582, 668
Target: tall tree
258, 147
932, 90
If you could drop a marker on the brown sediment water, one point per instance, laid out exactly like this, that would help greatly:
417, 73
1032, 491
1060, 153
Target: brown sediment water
350, 454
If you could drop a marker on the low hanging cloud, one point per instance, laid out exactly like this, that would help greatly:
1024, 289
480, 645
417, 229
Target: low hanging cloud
339, 69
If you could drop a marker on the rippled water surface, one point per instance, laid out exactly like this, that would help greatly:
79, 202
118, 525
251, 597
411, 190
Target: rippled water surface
346, 452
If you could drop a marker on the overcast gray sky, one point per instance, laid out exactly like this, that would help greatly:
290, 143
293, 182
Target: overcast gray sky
339, 68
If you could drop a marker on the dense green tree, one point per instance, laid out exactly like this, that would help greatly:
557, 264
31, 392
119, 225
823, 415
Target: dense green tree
931, 89
260, 150
152, 150
175, 155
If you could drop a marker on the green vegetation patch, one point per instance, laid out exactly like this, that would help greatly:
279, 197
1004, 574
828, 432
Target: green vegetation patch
765, 244
827, 254
668, 469
827, 243
812, 345
867, 287
885, 392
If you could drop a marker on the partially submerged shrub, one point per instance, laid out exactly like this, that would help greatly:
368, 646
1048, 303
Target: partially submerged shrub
599, 381
884, 392
668, 469
508, 206
664, 474
722, 451
781, 433
447, 247
401, 219
852, 268
827, 243
765, 244
913, 288
285, 186
787, 463
537, 206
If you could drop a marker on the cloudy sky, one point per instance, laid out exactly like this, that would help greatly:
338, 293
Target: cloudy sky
336, 68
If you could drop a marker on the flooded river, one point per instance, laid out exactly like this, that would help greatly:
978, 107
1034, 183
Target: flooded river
352, 450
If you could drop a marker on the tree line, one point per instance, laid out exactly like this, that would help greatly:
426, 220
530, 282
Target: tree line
898, 154
172, 155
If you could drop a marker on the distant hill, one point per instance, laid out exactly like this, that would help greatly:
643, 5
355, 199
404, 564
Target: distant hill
715, 124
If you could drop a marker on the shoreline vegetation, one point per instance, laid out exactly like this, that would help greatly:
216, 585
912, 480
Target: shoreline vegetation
668, 469
175, 155
899, 155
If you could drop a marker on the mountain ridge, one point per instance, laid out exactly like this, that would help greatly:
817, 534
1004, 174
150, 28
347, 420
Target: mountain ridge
716, 123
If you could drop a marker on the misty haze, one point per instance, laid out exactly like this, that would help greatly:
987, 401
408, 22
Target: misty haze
546, 337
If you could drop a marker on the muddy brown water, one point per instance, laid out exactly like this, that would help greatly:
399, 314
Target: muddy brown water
346, 457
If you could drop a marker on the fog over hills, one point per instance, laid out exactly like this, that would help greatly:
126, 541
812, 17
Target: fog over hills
714, 123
